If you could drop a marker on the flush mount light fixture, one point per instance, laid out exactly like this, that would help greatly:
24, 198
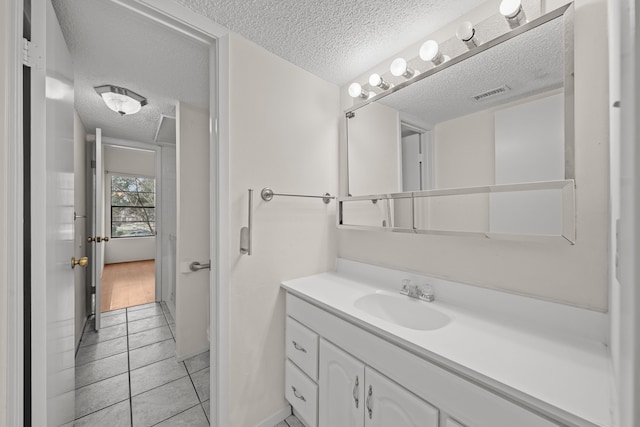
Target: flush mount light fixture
121, 100
467, 34
513, 12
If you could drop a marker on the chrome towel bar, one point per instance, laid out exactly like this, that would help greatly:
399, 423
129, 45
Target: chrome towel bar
267, 194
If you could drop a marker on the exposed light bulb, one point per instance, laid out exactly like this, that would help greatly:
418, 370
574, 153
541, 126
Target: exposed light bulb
355, 91
467, 34
378, 81
430, 51
399, 68
513, 12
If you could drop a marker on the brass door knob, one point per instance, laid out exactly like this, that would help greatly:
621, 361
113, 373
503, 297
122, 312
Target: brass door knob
106, 239
90, 239
82, 262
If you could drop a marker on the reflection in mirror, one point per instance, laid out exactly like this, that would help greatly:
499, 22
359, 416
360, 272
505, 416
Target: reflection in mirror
496, 117
470, 211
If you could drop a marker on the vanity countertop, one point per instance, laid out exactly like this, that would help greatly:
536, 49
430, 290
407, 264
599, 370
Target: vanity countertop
546, 369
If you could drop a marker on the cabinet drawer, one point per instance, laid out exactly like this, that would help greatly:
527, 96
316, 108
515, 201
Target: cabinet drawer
302, 393
302, 347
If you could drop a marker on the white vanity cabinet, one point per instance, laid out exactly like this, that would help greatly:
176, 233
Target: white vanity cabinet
352, 394
406, 389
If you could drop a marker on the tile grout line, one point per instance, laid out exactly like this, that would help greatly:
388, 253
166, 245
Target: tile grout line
175, 415
129, 369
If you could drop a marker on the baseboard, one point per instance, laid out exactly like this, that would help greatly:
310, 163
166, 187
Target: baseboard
182, 358
274, 419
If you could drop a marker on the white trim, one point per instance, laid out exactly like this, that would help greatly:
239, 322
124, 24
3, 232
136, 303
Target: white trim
276, 418
38, 222
157, 150
182, 19
220, 249
15, 188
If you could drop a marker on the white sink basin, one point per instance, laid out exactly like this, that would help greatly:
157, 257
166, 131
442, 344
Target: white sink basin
403, 311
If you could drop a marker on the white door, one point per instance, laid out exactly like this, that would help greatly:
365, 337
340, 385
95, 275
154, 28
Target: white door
52, 227
97, 228
192, 243
388, 404
341, 384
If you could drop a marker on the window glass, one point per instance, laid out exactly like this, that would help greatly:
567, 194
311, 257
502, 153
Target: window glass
133, 200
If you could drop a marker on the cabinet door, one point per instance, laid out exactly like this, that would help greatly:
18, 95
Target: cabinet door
388, 404
341, 400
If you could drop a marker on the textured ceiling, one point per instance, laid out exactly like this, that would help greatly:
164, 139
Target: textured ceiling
336, 40
111, 45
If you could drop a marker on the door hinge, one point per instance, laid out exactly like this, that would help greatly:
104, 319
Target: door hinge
350, 115
31, 54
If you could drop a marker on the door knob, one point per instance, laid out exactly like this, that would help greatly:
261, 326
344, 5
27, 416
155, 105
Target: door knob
82, 262
106, 239
90, 239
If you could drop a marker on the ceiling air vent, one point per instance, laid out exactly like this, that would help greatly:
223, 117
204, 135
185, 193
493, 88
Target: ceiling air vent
491, 93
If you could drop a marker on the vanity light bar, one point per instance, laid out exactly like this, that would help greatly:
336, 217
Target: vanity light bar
512, 11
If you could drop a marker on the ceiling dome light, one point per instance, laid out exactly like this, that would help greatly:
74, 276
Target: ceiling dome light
378, 81
430, 51
467, 34
399, 68
121, 100
513, 12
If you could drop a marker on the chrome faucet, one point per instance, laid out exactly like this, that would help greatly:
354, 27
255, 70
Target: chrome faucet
424, 292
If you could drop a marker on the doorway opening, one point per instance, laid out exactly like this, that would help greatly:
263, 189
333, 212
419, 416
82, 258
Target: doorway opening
129, 274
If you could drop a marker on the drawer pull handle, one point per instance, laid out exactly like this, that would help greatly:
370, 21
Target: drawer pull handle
298, 395
299, 347
370, 402
356, 392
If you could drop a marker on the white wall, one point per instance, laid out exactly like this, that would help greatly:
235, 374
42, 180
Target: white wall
374, 152
80, 249
132, 162
576, 275
283, 135
4, 169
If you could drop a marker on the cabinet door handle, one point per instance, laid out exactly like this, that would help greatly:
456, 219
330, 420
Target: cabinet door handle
299, 347
370, 402
356, 390
298, 395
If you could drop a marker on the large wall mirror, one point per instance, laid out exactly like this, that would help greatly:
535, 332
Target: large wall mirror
498, 114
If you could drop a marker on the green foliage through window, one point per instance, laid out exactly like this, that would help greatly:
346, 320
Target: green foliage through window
133, 212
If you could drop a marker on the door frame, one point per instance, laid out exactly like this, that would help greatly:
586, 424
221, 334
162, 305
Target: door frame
179, 18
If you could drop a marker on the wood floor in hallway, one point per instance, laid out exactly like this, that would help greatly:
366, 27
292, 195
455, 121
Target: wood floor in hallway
127, 284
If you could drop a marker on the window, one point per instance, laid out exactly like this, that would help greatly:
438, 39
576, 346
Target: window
133, 212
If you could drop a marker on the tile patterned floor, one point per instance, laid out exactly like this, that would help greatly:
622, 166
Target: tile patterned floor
291, 421
126, 374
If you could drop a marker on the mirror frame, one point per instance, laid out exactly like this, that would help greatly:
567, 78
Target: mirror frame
566, 12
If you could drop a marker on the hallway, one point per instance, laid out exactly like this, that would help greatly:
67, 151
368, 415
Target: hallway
126, 374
